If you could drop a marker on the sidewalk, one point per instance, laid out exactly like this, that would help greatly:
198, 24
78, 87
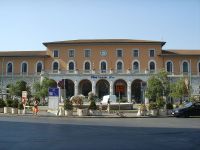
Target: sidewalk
116, 114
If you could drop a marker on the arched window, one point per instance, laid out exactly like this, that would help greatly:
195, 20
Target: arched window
24, 68
9, 68
103, 67
152, 67
169, 67
55, 67
87, 66
185, 67
199, 67
71, 66
136, 66
39, 67
119, 66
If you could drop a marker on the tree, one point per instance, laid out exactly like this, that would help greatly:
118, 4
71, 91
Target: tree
163, 77
158, 86
17, 88
154, 88
41, 89
179, 89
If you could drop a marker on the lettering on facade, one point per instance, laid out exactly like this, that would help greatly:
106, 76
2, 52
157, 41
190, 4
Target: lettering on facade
102, 77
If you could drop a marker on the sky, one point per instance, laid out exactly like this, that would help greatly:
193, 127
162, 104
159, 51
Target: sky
26, 24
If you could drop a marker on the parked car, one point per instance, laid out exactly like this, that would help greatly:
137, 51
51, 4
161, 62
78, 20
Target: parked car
189, 109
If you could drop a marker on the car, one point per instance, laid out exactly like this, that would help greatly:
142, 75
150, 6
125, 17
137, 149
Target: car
189, 109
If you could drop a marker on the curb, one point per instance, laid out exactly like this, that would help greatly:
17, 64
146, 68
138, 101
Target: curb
103, 116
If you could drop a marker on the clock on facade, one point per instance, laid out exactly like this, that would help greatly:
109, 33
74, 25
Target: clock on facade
103, 53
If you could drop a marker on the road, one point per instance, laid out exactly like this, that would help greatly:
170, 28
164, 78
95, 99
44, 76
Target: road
57, 133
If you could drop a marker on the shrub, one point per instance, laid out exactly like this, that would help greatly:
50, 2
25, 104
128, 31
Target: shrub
15, 103
2, 103
152, 106
91, 96
160, 103
169, 106
68, 105
143, 107
9, 103
78, 100
123, 100
93, 105
20, 106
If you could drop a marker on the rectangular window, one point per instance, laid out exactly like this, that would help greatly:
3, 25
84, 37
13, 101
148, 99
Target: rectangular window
135, 53
119, 53
55, 54
152, 53
71, 53
87, 53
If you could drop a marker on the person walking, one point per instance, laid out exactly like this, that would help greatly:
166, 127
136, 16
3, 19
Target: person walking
35, 106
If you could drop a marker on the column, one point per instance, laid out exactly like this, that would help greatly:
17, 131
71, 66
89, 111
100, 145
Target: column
129, 91
75, 87
93, 87
146, 100
111, 87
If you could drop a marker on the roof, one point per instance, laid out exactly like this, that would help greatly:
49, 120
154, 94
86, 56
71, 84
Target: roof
103, 41
24, 54
180, 52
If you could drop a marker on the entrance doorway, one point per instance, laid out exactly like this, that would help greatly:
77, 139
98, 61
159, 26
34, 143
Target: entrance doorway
120, 87
102, 88
85, 86
136, 90
69, 87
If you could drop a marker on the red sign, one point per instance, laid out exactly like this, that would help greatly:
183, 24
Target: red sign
119, 88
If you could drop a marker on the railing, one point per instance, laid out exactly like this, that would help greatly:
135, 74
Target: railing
103, 72
111, 71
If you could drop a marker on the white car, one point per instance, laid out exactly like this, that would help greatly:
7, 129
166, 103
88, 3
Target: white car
111, 98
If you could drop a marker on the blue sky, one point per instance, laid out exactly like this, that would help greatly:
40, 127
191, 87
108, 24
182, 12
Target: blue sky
26, 24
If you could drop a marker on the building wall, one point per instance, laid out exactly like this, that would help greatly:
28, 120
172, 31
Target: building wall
178, 60
111, 57
95, 60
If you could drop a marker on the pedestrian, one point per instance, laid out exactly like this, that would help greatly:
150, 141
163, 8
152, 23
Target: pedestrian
24, 104
35, 106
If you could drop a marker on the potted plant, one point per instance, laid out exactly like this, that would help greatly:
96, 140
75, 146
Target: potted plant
78, 101
14, 109
142, 110
153, 108
20, 108
7, 108
92, 107
160, 104
68, 107
169, 108
2, 105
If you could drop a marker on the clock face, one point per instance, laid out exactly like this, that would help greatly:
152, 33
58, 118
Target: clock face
103, 53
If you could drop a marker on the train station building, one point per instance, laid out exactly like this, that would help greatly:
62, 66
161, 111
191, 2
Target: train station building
103, 66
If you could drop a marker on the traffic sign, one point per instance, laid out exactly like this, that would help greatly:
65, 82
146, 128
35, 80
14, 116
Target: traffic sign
53, 91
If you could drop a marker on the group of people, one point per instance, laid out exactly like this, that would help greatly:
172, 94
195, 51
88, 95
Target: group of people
35, 105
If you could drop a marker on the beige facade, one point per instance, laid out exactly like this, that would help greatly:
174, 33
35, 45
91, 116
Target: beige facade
100, 65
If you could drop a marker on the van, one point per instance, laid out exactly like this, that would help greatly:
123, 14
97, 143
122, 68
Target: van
111, 98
